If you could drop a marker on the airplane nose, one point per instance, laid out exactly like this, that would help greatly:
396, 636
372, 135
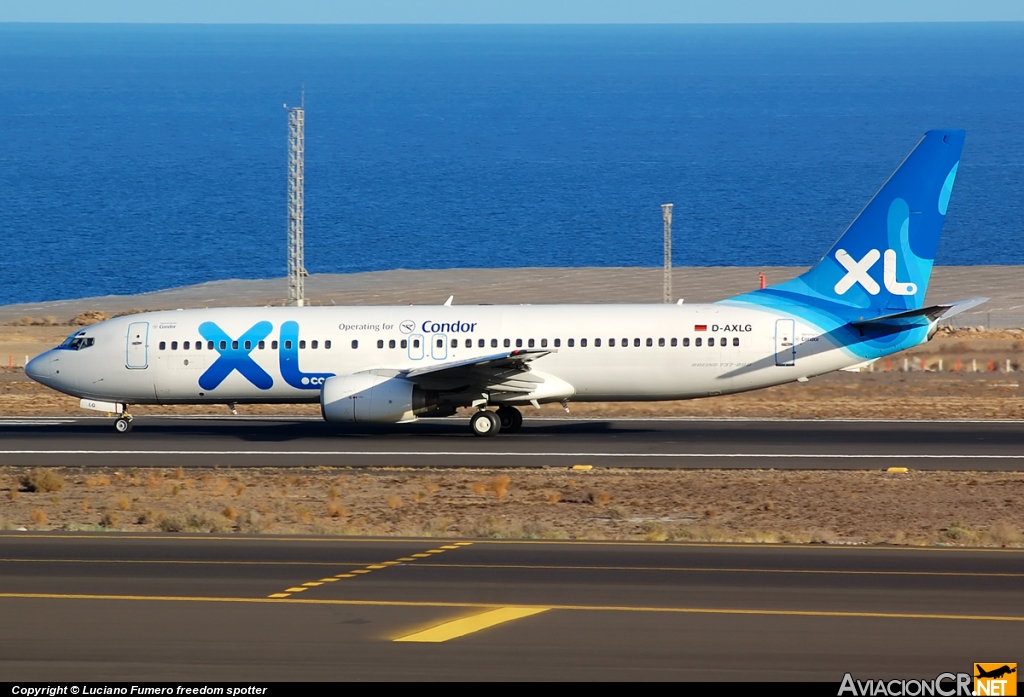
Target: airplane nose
39, 367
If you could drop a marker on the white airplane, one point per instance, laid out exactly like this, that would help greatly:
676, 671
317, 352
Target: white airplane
862, 301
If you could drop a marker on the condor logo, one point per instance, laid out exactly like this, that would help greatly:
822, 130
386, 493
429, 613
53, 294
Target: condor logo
857, 273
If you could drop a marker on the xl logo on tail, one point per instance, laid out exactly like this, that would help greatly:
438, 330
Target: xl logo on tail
857, 272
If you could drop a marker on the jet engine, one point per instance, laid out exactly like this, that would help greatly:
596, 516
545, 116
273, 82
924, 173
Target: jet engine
367, 398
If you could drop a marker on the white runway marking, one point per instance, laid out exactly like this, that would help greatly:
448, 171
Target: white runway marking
469, 453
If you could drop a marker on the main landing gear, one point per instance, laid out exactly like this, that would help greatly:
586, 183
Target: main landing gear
490, 423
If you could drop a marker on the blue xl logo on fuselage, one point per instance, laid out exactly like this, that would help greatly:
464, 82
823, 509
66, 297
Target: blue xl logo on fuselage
234, 355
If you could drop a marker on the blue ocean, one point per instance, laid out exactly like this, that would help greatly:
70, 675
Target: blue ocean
134, 158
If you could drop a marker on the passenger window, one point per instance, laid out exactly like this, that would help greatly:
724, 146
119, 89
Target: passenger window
735, 341
199, 346
543, 343
711, 341
355, 343
273, 345
625, 343
209, 346
380, 343
650, 341
686, 341
571, 343
440, 343
314, 344
415, 343
597, 342
519, 343
636, 342
724, 341
234, 345
248, 346
674, 342
558, 343
494, 343
508, 342
262, 345
469, 343
302, 343
661, 342
327, 344
174, 345
185, 346
696, 342
583, 343
455, 343
288, 345
163, 345
611, 342
405, 344
529, 343
391, 343
480, 343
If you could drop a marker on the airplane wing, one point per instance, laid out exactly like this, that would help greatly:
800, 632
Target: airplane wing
507, 372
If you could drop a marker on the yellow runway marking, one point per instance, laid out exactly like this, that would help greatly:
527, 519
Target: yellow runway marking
312, 584
581, 608
469, 625
360, 571
279, 595
389, 563
376, 566
296, 589
449, 547
420, 556
434, 551
406, 559
345, 576
712, 569
328, 580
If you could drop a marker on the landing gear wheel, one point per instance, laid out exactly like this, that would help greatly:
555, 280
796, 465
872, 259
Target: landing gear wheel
123, 425
485, 423
511, 419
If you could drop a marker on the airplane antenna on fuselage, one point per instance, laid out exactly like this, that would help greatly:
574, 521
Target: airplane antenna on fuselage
448, 302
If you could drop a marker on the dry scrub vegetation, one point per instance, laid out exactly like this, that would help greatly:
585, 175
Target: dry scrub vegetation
865, 507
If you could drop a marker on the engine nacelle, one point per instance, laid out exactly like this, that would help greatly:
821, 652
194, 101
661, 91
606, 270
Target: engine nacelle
366, 398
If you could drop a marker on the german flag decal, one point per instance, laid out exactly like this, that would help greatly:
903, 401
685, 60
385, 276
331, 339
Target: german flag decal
700, 327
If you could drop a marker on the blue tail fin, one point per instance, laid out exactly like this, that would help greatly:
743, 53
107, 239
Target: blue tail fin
883, 262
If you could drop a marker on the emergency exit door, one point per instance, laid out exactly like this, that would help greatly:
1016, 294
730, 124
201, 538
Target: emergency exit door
785, 342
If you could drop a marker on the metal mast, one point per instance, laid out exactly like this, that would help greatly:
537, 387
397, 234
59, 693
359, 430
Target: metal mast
666, 215
296, 204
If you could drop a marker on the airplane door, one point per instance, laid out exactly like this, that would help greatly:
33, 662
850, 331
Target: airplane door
416, 347
137, 350
785, 342
439, 347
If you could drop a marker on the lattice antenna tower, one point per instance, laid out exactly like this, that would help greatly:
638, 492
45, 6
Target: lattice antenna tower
666, 216
296, 203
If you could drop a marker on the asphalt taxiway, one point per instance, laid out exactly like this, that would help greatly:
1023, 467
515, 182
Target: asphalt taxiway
665, 443
165, 607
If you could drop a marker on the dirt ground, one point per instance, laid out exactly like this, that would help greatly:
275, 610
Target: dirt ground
865, 507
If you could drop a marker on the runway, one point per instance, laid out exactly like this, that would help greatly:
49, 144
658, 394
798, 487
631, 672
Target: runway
163, 607
663, 443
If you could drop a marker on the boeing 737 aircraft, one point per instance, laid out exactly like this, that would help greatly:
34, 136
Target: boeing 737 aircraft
862, 301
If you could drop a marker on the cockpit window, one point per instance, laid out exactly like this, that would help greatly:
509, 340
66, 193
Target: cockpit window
76, 342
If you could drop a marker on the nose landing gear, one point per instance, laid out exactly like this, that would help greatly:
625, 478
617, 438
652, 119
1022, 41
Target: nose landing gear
123, 424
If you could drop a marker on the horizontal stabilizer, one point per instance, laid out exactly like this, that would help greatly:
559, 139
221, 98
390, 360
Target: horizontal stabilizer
931, 313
